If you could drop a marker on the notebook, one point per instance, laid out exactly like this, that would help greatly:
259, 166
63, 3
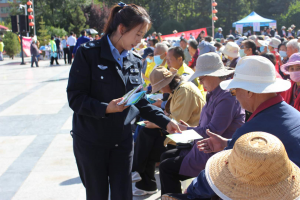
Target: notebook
128, 95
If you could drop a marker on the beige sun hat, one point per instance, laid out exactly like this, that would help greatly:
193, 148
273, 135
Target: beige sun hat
160, 77
232, 50
256, 74
257, 168
274, 43
210, 64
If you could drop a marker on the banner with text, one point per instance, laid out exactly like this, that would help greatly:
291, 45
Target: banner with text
239, 28
26, 45
256, 26
273, 25
187, 34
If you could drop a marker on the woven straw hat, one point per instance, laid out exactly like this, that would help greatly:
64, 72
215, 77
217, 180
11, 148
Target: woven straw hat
160, 77
256, 168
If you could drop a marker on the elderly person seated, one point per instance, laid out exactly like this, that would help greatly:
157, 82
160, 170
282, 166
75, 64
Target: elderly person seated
292, 67
232, 53
222, 113
249, 48
185, 103
258, 165
255, 86
194, 51
292, 47
175, 58
159, 59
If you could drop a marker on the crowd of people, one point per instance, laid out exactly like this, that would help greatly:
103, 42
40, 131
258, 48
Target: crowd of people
240, 93
61, 47
222, 89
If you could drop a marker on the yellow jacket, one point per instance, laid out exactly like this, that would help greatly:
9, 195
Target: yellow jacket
185, 103
186, 70
149, 69
1, 46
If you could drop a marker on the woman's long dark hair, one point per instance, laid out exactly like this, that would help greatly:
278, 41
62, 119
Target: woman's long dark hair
130, 16
252, 45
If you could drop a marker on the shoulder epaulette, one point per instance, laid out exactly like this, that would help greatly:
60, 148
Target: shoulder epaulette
91, 44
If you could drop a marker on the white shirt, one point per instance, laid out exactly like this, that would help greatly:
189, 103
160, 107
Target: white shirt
71, 41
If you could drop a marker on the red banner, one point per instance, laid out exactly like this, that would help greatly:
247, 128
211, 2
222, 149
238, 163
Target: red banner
26, 45
194, 33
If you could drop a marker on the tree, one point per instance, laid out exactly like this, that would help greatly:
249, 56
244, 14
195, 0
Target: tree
11, 44
291, 16
78, 21
97, 16
43, 32
56, 31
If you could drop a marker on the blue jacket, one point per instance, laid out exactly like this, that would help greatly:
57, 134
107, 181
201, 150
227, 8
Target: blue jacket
219, 35
80, 40
281, 120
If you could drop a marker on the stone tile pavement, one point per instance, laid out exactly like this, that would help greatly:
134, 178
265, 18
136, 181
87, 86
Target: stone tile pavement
36, 153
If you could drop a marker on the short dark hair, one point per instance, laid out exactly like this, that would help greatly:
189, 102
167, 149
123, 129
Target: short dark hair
184, 40
252, 45
129, 15
270, 56
83, 32
207, 39
52, 37
218, 45
193, 44
155, 41
177, 52
71, 33
282, 44
175, 82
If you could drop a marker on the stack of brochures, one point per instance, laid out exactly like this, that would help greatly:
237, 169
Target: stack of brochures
133, 96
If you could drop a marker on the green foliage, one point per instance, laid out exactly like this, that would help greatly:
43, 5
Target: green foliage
291, 16
11, 44
44, 36
56, 31
78, 21
168, 26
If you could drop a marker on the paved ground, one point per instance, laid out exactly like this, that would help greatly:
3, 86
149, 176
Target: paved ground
36, 153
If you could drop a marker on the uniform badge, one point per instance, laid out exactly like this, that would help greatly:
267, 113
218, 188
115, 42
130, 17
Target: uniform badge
102, 67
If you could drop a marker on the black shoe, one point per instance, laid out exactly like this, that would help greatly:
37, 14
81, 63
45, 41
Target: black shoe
31, 66
37, 66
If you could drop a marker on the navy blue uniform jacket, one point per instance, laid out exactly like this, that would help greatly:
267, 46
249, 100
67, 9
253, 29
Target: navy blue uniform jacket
95, 79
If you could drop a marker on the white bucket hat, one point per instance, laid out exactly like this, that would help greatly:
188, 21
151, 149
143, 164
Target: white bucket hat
210, 64
220, 29
263, 43
274, 43
256, 74
232, 50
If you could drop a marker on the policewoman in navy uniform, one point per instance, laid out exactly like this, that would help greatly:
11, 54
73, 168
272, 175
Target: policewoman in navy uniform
102, 72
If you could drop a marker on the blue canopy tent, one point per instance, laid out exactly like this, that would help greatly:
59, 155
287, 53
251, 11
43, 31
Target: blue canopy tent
253, 17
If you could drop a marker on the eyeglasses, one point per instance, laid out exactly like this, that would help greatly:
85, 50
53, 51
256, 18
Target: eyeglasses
233, 91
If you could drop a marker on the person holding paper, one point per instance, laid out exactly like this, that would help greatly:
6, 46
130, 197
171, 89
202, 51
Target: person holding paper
102, 72
185, 102
222, 114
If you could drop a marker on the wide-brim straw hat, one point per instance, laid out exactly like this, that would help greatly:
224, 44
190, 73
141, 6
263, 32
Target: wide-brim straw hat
257, 168
210, 64
256, 74
293, 60
160, 77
